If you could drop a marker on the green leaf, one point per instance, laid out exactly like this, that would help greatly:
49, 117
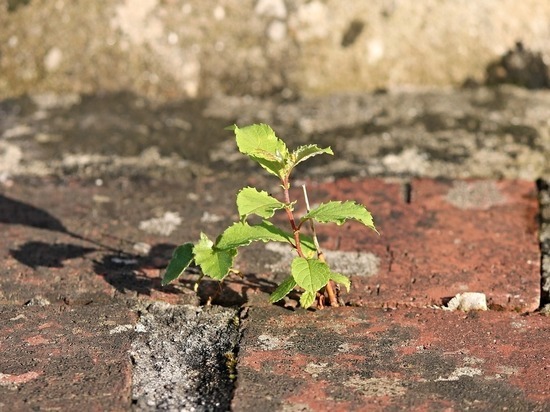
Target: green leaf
310, 274
338, 212
213, 262
305, 152
181, 259
283, 289
341, 279
258, 138
307, 299
242, 234
258, 141
252, 201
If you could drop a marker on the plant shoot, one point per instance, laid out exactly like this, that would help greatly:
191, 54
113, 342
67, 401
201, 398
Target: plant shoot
308, 269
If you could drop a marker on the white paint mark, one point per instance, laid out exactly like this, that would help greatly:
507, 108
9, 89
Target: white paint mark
219, 13
271, 8
375, 48
410, 160
121, 329
459, 372
164, 225
211, 218
480, 195
142, 248
268, 342
315, 369
53, 59
276, 31
372, 387
125, 262
311, 21
468, 301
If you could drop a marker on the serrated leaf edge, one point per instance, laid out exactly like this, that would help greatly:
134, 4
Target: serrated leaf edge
283, 289
307, 299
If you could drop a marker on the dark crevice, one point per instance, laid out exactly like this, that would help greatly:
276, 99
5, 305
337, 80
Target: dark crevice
543, 187
353, 31
407, 192
14, 5
391, 257
234, 370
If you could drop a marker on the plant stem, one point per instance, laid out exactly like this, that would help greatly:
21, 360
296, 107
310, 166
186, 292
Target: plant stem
290, 215
312, 225
328, 287
320, 255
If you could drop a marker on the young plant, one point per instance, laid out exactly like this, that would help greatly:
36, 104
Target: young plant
308, 270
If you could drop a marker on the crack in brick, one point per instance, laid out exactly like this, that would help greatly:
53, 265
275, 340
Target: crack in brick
184, 358
407, 190
544, 238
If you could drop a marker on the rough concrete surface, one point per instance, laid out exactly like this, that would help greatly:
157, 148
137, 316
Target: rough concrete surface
483, 132
96, 190
168, 49
184, 358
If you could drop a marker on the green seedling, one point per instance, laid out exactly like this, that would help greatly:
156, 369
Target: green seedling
308, 270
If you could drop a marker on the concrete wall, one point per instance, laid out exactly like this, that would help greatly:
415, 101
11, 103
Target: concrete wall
170, 49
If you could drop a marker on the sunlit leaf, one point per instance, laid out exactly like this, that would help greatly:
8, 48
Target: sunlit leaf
305, 152
213, 262
307, 299
242, 234
310, 274
259, 142
341, 279
252, 201
338, 212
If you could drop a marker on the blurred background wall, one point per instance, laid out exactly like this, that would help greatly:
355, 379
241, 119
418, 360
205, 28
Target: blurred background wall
172, 49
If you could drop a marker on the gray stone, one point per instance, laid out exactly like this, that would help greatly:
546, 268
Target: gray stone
184, 358
472, 133
475, 195
169, 50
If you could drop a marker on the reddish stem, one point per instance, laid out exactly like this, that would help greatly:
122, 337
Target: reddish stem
290, 215
328, 287
296, 231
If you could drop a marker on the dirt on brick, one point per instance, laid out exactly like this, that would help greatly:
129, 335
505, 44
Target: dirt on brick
352, 359
70, 357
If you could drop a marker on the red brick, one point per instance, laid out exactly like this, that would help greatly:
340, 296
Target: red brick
429, 249
56, 358
434, 247
352, 359
42, 254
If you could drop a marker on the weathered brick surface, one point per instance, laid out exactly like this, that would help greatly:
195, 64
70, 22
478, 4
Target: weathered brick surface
352, 359
451, 237
75, 242
65, 358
